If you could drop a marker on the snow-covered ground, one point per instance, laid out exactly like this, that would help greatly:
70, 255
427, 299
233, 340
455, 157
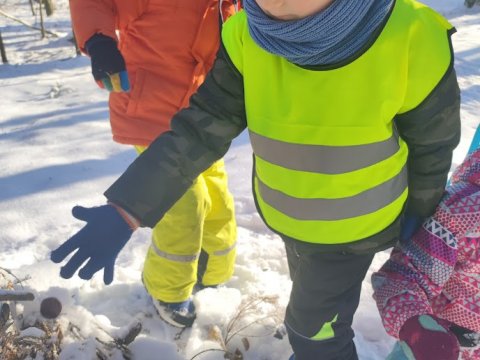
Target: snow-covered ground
56, 151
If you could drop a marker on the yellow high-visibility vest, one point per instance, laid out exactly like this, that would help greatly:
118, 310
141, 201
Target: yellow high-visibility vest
329, 165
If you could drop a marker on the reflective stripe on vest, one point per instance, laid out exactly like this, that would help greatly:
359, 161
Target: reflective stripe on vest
364, 203
322, 159
329, 167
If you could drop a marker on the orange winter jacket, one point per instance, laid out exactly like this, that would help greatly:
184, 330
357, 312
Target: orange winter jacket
168, 46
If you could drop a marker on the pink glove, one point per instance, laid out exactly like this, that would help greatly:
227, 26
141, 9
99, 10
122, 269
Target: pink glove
429, 337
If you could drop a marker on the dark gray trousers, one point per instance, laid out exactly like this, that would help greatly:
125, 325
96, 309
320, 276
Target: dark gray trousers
325, 285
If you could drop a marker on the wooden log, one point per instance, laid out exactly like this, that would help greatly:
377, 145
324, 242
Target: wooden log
16, 295
3, 13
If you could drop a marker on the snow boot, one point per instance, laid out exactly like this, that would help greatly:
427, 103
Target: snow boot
181, 314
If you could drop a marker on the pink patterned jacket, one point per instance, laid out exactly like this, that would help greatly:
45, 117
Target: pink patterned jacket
438, 270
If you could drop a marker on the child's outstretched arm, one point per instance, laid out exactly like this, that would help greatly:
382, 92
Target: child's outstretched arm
200, 135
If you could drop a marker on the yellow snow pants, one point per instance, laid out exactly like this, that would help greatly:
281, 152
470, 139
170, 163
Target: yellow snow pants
202, 219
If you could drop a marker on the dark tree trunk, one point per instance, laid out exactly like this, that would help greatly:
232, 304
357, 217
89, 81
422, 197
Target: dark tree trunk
77, 48
49, 6
3, 53
42, 25
32, 7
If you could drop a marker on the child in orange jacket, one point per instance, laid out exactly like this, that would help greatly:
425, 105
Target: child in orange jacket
152, 55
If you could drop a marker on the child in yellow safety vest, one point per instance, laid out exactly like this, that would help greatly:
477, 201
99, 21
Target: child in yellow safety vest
352, 108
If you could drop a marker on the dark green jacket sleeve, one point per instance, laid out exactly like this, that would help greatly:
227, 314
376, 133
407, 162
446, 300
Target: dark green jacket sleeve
200, 135
431, 131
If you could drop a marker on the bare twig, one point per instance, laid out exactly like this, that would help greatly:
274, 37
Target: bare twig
244, 311
233, 328
204, 351
26, 24
32, 7
17, 280
42, 24
131, 335
105, 347
238, 331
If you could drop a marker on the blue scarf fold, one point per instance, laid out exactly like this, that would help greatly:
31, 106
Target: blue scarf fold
327, 37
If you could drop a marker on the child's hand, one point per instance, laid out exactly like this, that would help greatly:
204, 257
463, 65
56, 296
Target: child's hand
409, 226
108, 65
97, 244
426, 337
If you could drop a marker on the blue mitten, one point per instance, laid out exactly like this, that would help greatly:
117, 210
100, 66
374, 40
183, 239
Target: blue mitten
409, 226
99, 242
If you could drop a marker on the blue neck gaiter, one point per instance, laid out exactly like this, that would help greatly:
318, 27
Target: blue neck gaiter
327, 37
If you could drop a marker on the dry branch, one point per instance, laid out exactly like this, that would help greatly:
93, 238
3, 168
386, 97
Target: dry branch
237, 325
26, 24
42, 25
32, 7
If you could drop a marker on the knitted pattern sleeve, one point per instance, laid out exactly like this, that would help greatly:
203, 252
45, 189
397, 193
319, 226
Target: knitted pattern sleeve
436, 272
414, 274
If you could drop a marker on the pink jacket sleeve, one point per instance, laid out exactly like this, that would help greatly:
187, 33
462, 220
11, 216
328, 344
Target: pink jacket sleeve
414, 275
430, 273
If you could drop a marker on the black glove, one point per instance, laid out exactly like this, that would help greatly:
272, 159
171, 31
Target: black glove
108, 64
